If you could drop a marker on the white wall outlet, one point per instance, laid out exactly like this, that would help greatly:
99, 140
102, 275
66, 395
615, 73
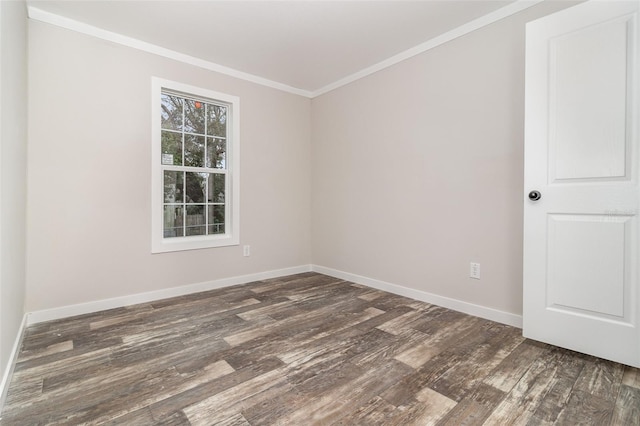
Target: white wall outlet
474, 270
246, 251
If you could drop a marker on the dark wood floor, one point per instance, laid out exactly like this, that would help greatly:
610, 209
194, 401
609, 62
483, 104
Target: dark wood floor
301, 350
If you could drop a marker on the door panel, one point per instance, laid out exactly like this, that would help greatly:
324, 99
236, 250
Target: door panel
584, 252
590, 124
581, 282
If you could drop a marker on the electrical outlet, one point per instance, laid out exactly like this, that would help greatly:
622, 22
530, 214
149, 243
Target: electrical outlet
474, 270
246, 251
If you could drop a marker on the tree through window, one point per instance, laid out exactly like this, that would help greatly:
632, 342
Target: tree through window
193, 158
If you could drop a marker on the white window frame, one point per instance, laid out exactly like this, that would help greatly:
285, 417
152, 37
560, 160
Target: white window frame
231, 237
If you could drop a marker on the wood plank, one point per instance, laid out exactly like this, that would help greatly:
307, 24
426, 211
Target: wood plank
180, 400
520, 404
376, 411
586, 409
438, 341
555, 400
631, 377
515, 365
444, 362
330, 407
467, 412
627, 408
231, 402
465, 375
602, 378
305, 349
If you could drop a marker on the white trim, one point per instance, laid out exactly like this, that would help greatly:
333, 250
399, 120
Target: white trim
73, 25
483, 21
119, 302
11, 364
159, 244
80, 27
446, 302
7, 367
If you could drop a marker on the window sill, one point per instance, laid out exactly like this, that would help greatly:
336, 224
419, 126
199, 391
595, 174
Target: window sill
167, 245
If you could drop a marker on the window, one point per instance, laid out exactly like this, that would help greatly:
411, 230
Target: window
195, 166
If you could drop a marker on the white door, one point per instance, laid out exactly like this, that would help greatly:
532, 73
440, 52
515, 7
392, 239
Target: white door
581, 237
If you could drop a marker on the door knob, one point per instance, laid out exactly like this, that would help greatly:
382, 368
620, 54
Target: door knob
535, 195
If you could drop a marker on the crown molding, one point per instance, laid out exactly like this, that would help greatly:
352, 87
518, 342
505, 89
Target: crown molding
73, 25
460, 31
80, 27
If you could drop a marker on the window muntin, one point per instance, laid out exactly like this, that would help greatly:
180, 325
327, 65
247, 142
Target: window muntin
195, 161
194, 135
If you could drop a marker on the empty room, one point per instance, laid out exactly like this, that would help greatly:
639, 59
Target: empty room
320, 212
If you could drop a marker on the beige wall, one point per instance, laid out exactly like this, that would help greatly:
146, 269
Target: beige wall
404, 176
13, 138
89, 174
418, 169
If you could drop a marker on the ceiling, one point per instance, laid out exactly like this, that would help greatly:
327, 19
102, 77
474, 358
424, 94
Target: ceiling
305, 45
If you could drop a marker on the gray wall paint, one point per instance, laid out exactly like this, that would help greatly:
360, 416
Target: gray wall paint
418, 169
89, 174
13, 138
412, 172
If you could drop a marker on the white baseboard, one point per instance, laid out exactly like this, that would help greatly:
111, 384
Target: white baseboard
11, 364
118, 302
446, 302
